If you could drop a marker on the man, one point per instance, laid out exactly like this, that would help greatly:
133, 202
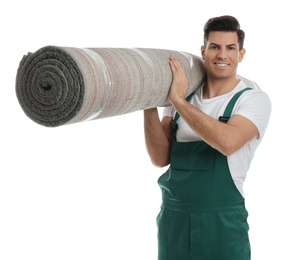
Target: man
209, 140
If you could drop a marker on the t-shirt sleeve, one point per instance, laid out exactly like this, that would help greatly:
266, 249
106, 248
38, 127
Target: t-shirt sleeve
168, 111
256, 106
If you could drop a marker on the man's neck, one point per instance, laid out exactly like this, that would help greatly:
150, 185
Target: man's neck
218, 87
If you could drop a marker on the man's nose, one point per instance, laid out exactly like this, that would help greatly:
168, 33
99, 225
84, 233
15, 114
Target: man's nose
222, 54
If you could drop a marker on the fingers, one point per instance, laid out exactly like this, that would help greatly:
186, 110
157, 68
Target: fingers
172, 64
179, 83
175, 64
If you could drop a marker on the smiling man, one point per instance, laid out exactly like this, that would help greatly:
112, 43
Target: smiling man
209, 140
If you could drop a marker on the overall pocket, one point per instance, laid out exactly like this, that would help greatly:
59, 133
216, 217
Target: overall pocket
191, 172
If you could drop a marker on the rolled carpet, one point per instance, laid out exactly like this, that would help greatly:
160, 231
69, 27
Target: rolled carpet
64, 85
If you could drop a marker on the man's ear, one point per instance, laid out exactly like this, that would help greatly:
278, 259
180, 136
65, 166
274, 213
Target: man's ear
242, 54
203, 52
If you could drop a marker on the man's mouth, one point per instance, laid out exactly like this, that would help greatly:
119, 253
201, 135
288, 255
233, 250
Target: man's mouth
219, 64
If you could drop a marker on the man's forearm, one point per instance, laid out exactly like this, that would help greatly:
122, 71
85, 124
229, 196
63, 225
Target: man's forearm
220, 136
156, 138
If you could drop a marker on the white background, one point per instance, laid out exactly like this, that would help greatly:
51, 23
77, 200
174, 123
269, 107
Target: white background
88, 190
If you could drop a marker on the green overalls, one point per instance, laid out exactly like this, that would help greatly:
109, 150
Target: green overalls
203, 215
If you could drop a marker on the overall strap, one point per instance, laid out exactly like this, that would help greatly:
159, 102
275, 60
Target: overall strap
176, 117
228, 111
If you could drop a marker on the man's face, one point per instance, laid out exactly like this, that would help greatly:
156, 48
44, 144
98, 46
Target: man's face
222, 55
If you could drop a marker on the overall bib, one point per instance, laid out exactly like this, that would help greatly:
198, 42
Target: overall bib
203, 215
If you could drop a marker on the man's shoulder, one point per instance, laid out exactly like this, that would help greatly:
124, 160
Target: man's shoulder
245, 82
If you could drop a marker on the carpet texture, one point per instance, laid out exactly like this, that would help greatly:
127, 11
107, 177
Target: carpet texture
64, 85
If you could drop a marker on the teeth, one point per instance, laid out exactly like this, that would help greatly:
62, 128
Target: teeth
221, 64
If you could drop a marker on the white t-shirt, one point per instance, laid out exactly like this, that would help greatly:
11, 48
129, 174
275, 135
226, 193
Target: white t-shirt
252, 104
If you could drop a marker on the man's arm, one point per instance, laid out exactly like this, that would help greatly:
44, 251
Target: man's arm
226, 138
157, 137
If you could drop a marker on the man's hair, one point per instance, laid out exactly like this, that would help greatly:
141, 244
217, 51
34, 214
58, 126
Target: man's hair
224, 23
